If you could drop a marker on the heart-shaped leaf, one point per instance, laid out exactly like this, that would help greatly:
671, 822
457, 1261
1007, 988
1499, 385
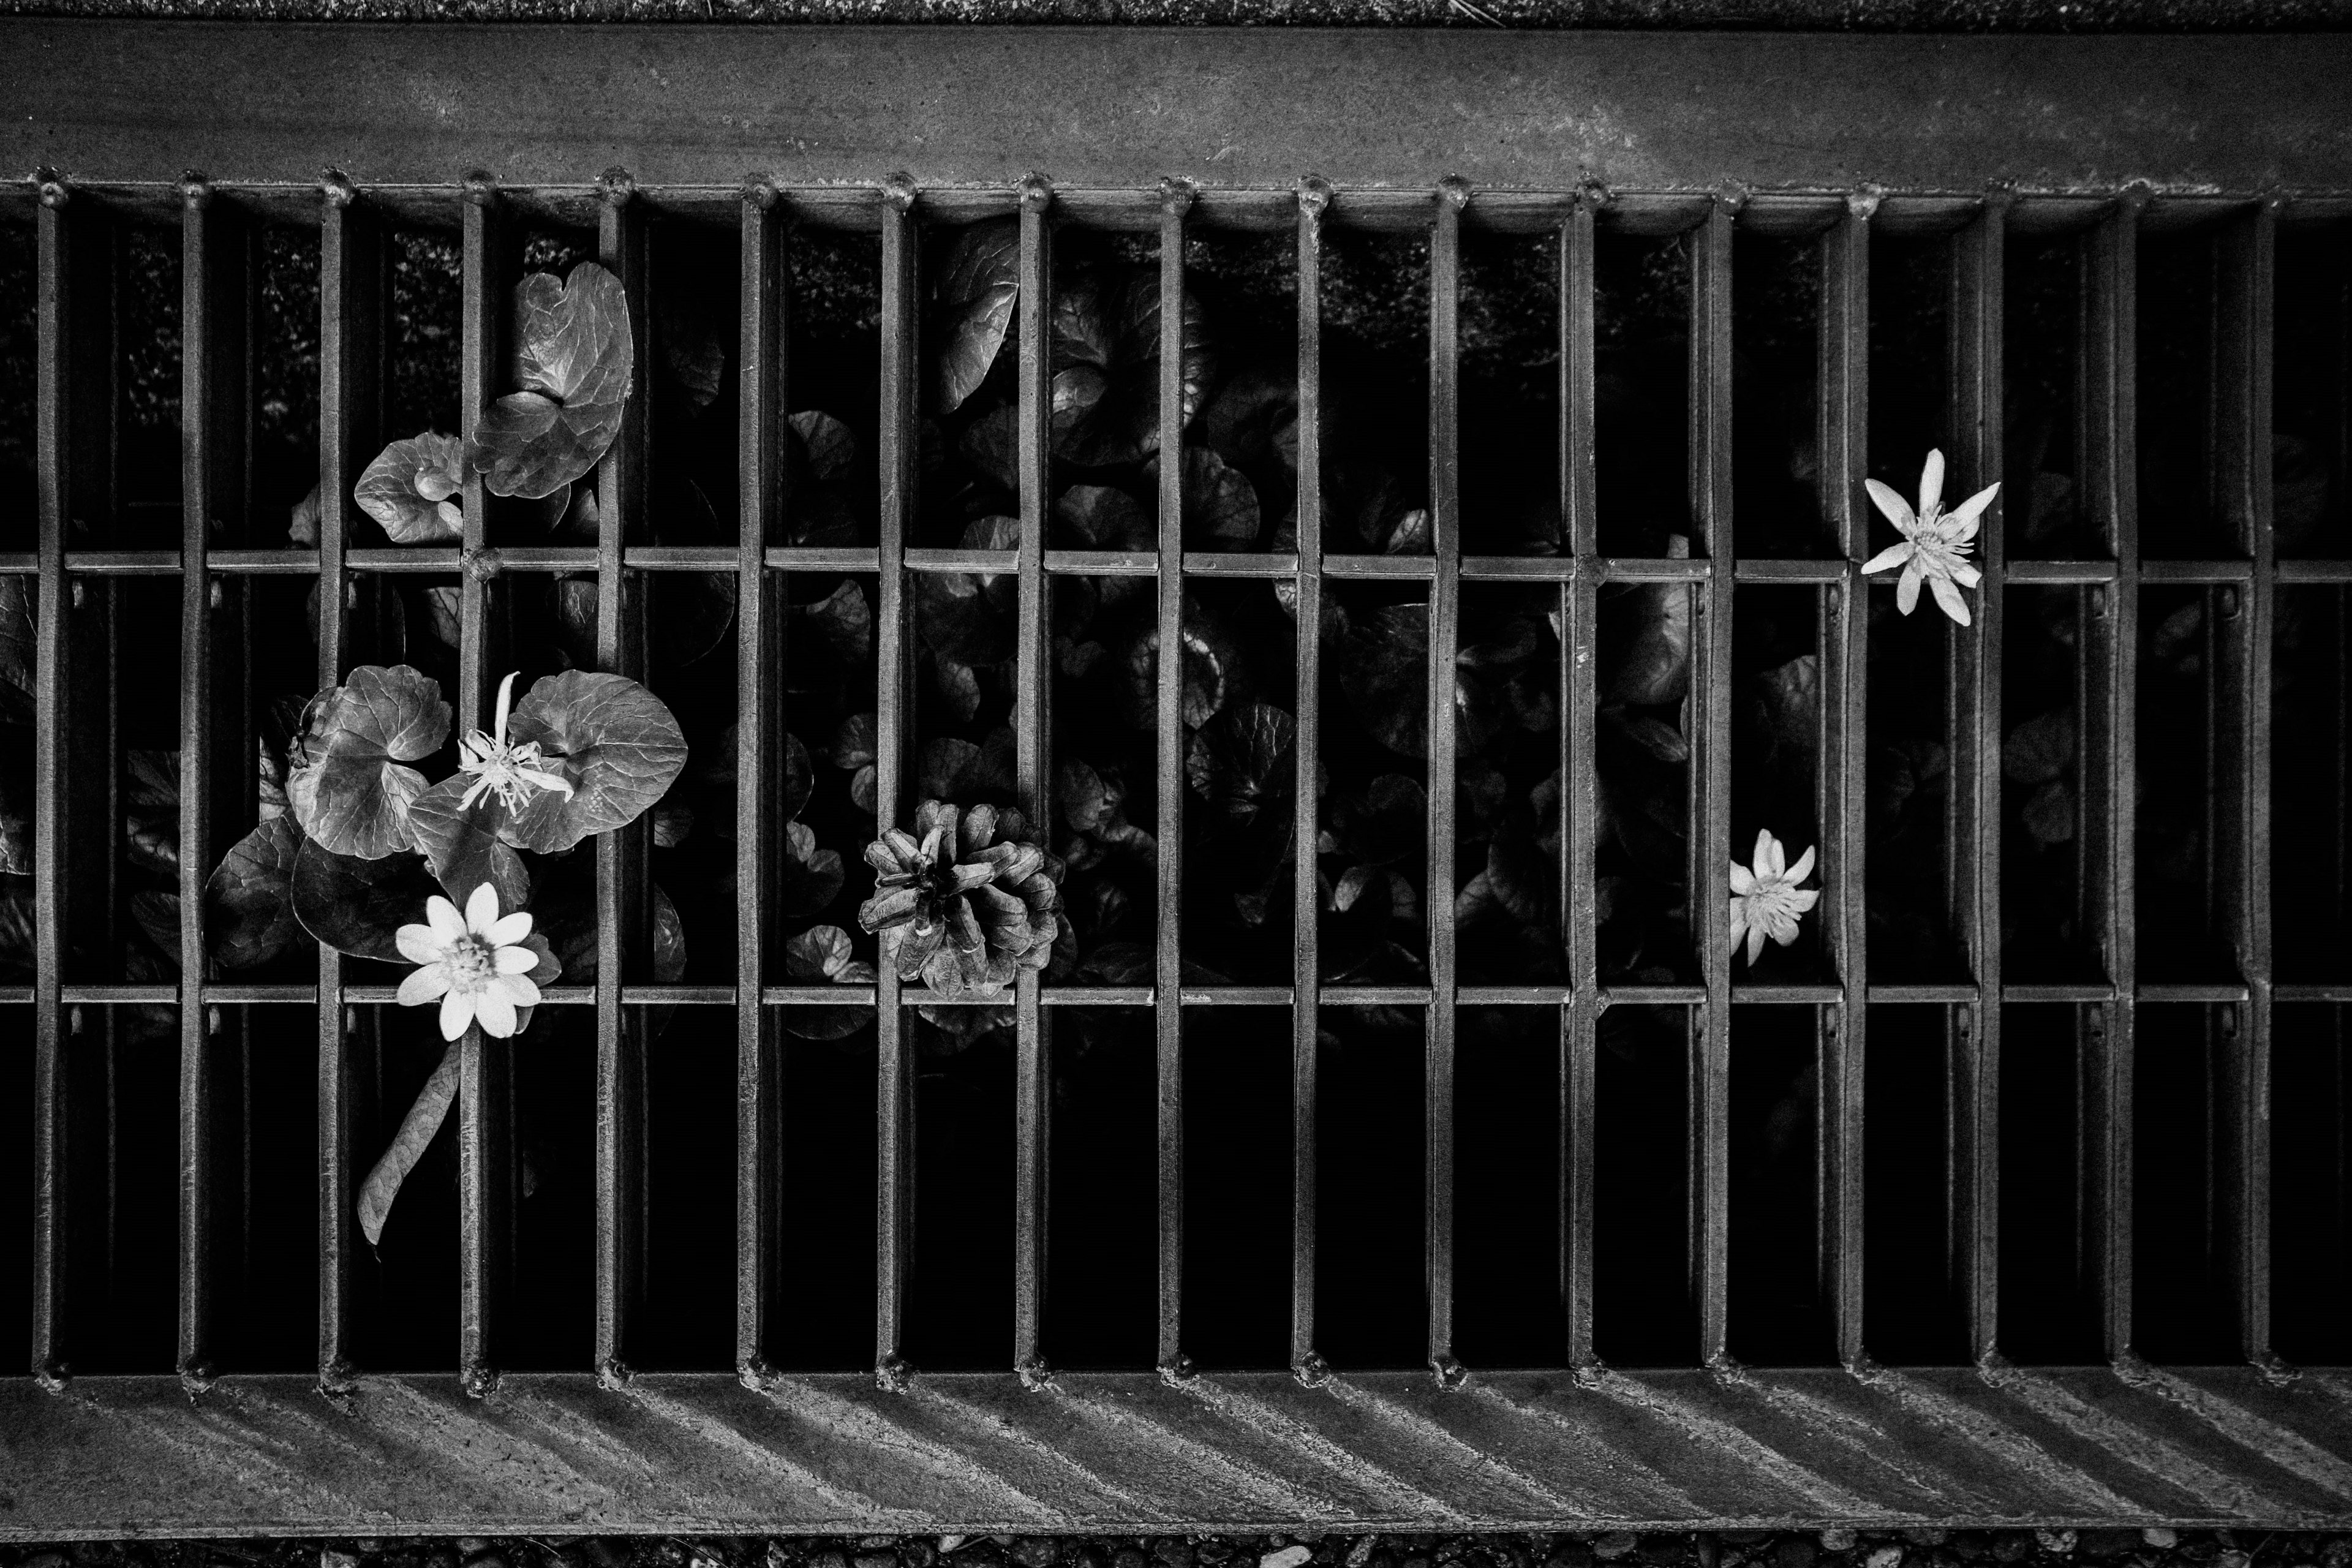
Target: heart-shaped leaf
345, 782
1384, 675
855, 742
991, 444
1098, 517
573, 359
811, 877
356, 905
1219, 503
461, 842
1214, 673
1240, 761
1106, 367
412, 488
249, 899
973, 306
609, 738
1255, 416
824, 954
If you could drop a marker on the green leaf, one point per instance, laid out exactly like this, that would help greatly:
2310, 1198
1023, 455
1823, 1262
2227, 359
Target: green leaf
408, 1145
249, 899
608, 737
1219, 503
412, 488
972, 307
573, 359
345, 785
356, 905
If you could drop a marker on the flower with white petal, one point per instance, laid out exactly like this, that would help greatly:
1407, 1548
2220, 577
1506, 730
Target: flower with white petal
510, 771
1934, 541
1766, 900
475, 966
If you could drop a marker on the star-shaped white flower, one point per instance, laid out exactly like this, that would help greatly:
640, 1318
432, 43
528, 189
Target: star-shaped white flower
476, 967
511, 772
1934, 542
1766, 901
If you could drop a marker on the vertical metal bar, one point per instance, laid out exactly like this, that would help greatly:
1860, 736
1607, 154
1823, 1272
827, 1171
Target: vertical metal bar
1841, 429
61, 245
1029, 764
349, 300
1167, 996
2244, 308
1307, 902
761, 478
483, 1217
1580, 780
893, 1192
1978, 283
2109, 399
1710, 764
213, 284
622, 907
1445, 638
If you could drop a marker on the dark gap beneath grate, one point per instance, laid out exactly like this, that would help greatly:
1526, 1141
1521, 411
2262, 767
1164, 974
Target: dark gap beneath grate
1370, 1310
1909, 784
1641, 396
2311, 713
1507, 787
1237, 1187
2045, 917
1909, 1243
1776, 286
1376, 427
2311, 1183
1509, 345
825, 1309
1777, 1313
2177, 920
19, 329
2181, 513
1509, 1309
2310, 413
2042, 491
125, 1069
1642, 1313
1101, 1265
2181, 1285
2048, 1304
1775, 731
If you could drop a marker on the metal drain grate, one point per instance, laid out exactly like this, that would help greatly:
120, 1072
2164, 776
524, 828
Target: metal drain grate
2140, 1031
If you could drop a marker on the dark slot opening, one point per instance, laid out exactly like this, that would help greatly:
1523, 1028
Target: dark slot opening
2181, 1309
1507, 787
2045, 922
423, 333
20, 285
1510, 415
1375, 810
1910, 381
1910, 1306
265, 1251
124, 1066
1776, 730
1106, 686
148, 437
1641, 767
831, 380
1909, 784
1241, 406
1238, 1196
551, 1283
141, 682
959, 1280
1776, 307
2311, 1183
17, 1178
2178, 841
407, 1284
285, 379
822, 1314
687, 1317
1509, 1309
1102, 1274
1375, 392
1641, 339
2310, 413
1241, 772
2179, 514
2042, 490
1778, 1315
1370, 1293
2310, 699
1643, 1310
2049, 1299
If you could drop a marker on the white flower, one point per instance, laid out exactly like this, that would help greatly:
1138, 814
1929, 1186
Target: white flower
510, 771
476, 967
1935, 543
1767, 900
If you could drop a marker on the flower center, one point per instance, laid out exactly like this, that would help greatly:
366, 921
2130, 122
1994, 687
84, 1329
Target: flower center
472, 965
498, 768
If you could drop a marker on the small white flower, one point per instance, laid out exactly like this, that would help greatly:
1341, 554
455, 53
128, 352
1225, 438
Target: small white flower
1935, 543
476, 967
512, 772
1767, 900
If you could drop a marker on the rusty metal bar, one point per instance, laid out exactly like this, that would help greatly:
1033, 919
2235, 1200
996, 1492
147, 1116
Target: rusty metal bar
623, 897
2108, 401
763, 303
1307, 902
1445, 638
214, 284
350, 299
1974, 1046
1841, 429
1710, 773
894, 1191
1168, 1019
484, 1217
1030, 777
1578, 776
2244, 312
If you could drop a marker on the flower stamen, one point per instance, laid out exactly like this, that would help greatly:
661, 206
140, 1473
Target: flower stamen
510, 771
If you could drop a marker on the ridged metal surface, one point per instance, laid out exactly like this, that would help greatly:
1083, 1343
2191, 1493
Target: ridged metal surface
701, 1453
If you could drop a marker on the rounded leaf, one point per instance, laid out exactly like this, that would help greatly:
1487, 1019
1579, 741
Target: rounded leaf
1219, 503
249, 899
609, 738
462, 845
412, 488
974, 305
574, 360
345, 785
353, 905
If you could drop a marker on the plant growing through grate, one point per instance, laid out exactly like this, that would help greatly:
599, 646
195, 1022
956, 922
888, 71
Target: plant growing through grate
1391, 1017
